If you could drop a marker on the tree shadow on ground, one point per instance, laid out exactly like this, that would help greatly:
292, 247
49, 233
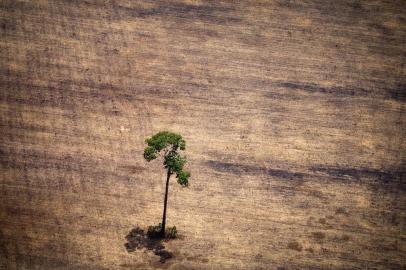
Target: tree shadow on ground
138, 239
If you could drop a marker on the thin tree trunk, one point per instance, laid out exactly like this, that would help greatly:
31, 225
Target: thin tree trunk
165, 203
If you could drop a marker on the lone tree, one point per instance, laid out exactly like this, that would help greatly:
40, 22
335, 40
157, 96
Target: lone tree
169, 145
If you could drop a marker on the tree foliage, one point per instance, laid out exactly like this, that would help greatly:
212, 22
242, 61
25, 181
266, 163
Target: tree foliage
169, 144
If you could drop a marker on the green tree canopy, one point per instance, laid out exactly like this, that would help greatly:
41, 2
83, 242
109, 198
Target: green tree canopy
169, 144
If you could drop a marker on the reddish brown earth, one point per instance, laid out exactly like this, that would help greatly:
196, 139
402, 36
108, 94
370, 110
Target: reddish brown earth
293, 113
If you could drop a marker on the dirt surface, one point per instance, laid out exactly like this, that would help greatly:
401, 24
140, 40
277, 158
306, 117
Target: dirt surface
293, 113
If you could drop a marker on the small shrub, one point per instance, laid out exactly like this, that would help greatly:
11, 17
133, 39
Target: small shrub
171, 232
136, 232
154, 231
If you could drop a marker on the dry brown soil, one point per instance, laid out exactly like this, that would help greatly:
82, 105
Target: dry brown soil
293, 113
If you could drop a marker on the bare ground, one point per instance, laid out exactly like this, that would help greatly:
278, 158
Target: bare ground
293, 113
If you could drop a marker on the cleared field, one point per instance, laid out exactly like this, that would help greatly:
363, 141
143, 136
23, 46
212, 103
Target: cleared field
293, 113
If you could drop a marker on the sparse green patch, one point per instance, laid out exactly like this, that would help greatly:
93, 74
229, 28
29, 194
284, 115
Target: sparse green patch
171, 233
154, 232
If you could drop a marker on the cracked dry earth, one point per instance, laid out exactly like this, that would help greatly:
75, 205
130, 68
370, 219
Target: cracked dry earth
293, 113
